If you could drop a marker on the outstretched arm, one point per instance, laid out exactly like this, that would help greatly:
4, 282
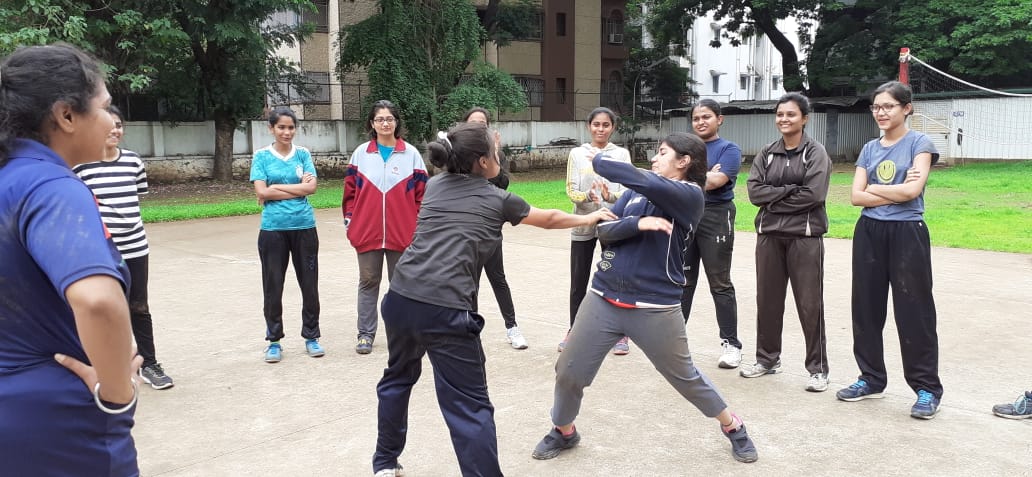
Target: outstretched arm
557, 219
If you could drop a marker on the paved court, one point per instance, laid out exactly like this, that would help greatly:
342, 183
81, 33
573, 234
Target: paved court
230, 414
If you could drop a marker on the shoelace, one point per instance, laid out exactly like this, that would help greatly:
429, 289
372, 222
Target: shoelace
924, 397
1021, 406
858, 385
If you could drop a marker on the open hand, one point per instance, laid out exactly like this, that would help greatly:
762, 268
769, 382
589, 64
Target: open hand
602, 214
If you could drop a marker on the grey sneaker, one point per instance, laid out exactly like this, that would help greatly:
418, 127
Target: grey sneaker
554, 443
156, 377
731, 358
515, 338
818, 383
365, 345
1020, 409
756, 370
742, 447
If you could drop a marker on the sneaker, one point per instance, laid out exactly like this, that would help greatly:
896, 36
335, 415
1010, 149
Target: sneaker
818, 383
1020, 409
742, 447
398, 471
731, 358
562, 344
857, 391
156, 377
515, 338
313, 349
926, 407
621, 347
554, 443
756, 370
274, 353
365, 345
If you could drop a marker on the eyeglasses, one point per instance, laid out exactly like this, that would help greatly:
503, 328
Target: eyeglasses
887, 107
389, 120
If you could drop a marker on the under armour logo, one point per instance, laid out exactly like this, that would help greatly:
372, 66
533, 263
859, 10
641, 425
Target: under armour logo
721, 238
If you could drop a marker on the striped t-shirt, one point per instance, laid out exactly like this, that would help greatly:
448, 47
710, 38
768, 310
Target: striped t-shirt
117, 185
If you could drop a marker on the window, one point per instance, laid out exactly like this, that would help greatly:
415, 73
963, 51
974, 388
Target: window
318, 84
775, 82
716, 31
560, 90
614, 28
716, 83
612, 91
534, 88
560, 24
743, 81
281, 19
320, 18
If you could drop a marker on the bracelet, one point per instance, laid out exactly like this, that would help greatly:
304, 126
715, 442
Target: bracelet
96, 398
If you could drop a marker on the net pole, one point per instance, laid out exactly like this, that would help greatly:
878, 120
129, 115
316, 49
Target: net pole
904, 65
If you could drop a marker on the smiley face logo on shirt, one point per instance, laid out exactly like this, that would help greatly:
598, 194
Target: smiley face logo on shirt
886, 171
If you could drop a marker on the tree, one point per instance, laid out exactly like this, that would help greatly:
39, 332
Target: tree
417, 53
985, 41
204, 58
669, 21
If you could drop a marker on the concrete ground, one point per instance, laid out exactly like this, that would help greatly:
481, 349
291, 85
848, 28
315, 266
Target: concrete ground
230, 414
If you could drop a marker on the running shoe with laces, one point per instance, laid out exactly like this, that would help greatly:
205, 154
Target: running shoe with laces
756, 370
1021, 408
365, 345
273, 353
515, 338
398, 471
554, 443
857, 391
742, 447
731, 357
156, 377
622, 347
926, 407
818, 383
313, 348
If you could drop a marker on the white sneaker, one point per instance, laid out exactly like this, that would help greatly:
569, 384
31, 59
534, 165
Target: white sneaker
818, 383
396, 472
515, 338
731, 357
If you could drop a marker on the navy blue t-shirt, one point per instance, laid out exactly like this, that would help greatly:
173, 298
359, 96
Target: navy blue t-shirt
729, 156
51, 236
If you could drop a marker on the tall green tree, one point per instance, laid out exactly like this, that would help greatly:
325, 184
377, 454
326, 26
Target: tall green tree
418, 54
205, 59
670, 20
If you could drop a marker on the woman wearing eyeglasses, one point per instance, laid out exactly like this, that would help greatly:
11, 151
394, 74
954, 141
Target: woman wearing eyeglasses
891, 248
383, 190
789, 183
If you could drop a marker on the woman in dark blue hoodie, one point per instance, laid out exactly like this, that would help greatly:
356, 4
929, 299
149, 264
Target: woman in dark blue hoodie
636, 291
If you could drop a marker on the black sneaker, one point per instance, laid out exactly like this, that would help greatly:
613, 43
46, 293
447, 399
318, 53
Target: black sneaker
156, 377
554, 443
742, 447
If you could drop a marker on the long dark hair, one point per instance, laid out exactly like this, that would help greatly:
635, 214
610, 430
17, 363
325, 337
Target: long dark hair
399, 130
32, 80
690, 145
466, 143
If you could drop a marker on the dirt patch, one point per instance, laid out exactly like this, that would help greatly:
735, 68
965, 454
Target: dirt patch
197, 192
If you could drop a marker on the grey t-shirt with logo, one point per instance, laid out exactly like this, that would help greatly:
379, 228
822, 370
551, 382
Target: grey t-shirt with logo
888, 165
458, 229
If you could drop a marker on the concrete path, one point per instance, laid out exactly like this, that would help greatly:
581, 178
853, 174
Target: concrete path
230, 414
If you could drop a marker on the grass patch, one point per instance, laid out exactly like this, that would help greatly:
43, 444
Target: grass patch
984, 206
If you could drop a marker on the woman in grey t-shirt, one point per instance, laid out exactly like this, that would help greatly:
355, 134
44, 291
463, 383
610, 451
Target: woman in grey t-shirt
429, 308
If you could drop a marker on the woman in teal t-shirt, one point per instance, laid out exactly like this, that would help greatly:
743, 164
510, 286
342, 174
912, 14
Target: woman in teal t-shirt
284, 177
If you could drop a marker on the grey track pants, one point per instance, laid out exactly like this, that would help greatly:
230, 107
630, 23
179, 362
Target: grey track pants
660, 334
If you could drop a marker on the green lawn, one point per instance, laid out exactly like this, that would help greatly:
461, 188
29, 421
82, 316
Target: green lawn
985, 206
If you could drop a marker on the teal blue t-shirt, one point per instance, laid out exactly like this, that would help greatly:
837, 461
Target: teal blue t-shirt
289, 214
385, 151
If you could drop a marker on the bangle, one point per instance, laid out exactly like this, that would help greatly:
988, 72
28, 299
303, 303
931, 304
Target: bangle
96, 398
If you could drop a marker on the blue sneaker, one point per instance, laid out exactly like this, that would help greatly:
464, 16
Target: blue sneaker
313, 349
857, 391
926, 406
1020, 409
274, 353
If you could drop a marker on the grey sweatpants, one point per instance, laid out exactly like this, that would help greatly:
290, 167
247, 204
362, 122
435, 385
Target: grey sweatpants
659, 332
370, 272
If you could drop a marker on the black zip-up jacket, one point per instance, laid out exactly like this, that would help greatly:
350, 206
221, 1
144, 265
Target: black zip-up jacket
790, 190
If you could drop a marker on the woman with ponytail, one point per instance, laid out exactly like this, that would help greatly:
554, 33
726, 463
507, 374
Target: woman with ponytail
429, 307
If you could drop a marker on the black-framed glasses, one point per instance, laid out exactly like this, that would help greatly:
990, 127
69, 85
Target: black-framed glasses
388, 120
887, 107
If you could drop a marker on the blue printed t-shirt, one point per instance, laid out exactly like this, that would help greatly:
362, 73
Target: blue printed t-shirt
729, 156
385, 151
269, 166
51, 236
888, 166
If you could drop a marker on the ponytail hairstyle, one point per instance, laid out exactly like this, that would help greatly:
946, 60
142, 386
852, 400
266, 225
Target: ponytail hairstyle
690, 145
708, 104
32, 80
613, 117
899, 91
457, 150
801, 101
276, 114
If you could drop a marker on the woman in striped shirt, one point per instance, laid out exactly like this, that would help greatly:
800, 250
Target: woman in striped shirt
117, 181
